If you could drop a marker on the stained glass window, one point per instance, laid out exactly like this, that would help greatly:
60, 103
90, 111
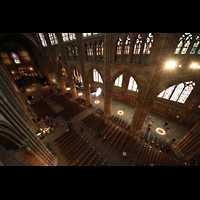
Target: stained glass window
90, 50
119, 47
70, 51
196, 44
15, 58
99, 49
97, 76
177, 92
148, 44
132, 84
118, 81
137, 45
42, 39
168, 92
185, 94
184, 43
161, 94
65, 37
180, 94
53, 38
127, 45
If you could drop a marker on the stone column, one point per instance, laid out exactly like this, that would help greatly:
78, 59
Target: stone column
190, 144
67, 68
140, 114
107, 84
146, 96
84, 75
56, 67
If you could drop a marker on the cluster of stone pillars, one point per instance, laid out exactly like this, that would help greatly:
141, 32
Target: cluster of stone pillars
17, 130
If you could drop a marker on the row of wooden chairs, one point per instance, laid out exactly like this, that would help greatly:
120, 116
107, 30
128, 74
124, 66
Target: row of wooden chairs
153, 158
93, 158
69, 143
148, 136
131, 148
116, 129
136, 150
119, 138
196, 160
64, 137
115, 136
167, 160
141, 154
75, 148
99, 111
160, 159
119, 121
130, 139
88, 157
78, 151
147, 156
98, 160
83, 156
162, 144
123, 141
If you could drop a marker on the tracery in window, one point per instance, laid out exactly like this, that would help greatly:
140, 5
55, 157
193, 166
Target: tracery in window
148, 44
127, 45
119, 46
118, 81
180, 94
53, 38
137, 45
15, 58
42, 39
195, 45
68, 36
132, 85
99, 49
97, 76
184, 43
90, 50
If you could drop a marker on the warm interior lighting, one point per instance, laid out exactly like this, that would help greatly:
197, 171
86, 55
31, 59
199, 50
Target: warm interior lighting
193, 65
171, 64
97, 101
160, 131
68, 88
120, 112
80, 94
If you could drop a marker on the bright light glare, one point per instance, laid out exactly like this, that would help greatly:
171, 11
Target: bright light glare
193, 65
98, 92
97, 101
171, 64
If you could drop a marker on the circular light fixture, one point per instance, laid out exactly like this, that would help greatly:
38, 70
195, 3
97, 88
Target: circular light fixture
68, 88
160, 131
96, 101
120, 112
80, 94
